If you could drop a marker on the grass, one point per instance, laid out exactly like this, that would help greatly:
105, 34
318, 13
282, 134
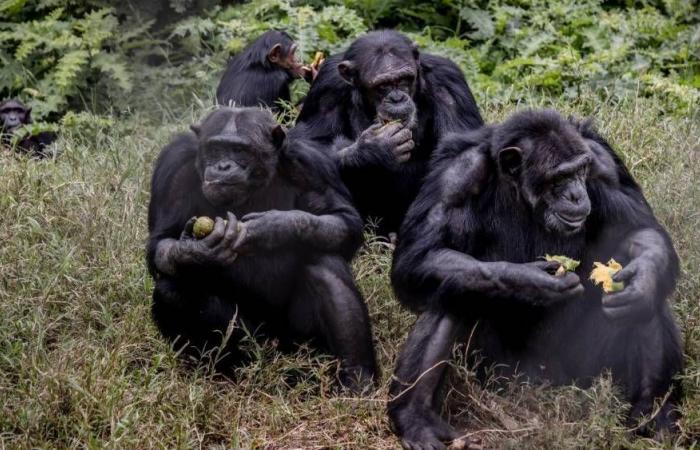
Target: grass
82, 366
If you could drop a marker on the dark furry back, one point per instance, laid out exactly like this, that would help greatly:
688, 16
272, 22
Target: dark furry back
251, 80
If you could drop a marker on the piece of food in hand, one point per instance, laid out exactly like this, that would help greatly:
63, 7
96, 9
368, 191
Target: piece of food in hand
318, 59
566, 264
386, 123
602, 275
202, 227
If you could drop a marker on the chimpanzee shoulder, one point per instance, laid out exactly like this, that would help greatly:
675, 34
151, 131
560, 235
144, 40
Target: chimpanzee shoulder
446, 87
328, 93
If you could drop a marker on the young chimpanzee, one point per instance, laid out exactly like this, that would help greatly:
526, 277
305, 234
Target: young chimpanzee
279, 266
382, 107
469, 260
13, 115
260, 75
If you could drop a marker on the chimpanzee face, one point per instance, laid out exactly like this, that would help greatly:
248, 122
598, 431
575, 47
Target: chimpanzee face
385, 68
551, 172
284, 56
13, 114
238, 155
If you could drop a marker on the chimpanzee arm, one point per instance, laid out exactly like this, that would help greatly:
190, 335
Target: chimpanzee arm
630, 233
324, 219
175, 197
425, 262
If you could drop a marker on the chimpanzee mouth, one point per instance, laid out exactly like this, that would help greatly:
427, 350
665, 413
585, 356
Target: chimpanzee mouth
572, 223
405, 115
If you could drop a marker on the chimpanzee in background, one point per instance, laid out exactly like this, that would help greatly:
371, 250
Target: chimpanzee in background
260, 75
279, 266
15, 114
383, 78
469, 260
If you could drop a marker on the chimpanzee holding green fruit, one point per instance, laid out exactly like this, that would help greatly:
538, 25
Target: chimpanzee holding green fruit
277, 261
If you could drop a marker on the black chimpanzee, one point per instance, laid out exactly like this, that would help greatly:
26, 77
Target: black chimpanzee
279, 266
13, 115
262, 72
469, 260
381, 79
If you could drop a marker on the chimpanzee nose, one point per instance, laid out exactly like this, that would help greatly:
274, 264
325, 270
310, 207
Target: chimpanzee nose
223, 166
574, 196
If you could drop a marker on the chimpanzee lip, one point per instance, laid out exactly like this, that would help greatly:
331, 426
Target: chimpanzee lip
218, 183
570, 221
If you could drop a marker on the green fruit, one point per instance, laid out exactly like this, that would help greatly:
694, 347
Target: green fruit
202, 227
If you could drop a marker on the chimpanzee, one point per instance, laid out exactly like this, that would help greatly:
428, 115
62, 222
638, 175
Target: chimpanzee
279, 266
262, 72
469, 260
13, 115
381, 107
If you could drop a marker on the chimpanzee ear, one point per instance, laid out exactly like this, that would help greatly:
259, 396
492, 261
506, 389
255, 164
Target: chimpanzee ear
348, 71
416, 50
196, 129
278, 136
510, 160
275, 54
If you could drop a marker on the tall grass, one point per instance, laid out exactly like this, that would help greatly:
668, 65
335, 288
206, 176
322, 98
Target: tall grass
82, 366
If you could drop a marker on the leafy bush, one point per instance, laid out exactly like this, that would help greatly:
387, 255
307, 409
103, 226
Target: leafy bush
51, 51
565, 48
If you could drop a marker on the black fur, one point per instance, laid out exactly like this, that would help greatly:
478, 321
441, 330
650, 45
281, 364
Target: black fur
15, 114
291, 279
453, 266
250, 79
335, 113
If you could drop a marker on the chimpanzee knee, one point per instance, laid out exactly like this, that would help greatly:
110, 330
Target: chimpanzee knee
340, 319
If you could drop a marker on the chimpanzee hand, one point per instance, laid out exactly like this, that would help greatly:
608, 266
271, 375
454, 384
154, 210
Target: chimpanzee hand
270, 229
391, 143
636, 301
534, 283
215, 249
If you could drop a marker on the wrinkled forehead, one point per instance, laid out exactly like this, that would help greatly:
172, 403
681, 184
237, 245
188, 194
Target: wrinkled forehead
11, 105
247, 125
380, 63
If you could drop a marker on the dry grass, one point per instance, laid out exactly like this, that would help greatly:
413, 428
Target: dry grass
82, 366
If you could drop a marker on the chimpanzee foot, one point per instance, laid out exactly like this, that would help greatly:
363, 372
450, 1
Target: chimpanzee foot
425, 430
358, 380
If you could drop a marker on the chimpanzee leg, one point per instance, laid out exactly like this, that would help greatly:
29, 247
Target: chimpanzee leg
654, 357
415, 406
197, 323
328, 305
643, 359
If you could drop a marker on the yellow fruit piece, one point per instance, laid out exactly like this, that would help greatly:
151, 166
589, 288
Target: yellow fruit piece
202, 227
566, 264
318, 57
602, 275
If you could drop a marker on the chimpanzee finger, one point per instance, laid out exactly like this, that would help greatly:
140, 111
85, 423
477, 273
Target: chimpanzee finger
390, 129
403, 135
406, 147
241, 236
252, 216
625, 274
217, 234
231, 228
568, 281
187, 230
547, 266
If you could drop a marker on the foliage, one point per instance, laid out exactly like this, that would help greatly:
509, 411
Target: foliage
566, 48
51, 51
